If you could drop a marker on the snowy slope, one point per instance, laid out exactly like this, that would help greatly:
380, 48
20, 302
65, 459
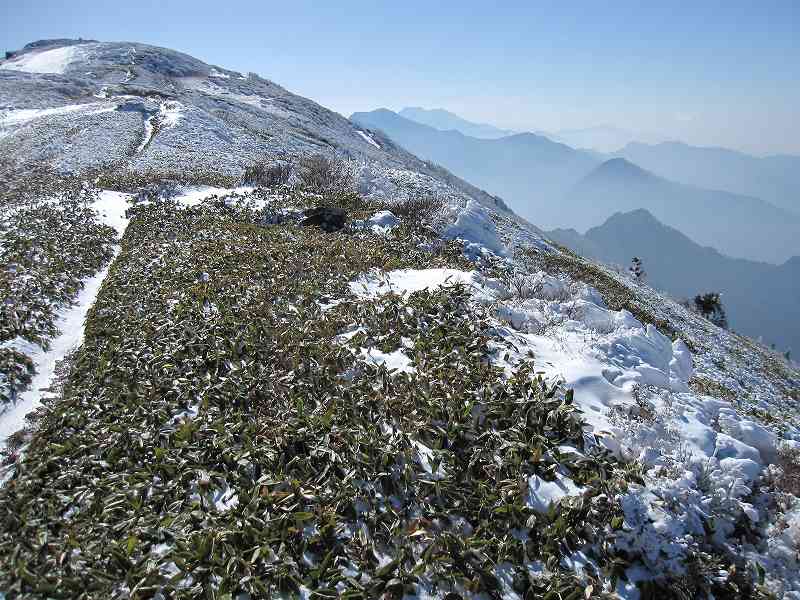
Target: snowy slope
135, 106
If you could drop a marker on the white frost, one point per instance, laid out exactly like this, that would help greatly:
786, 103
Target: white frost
14, 117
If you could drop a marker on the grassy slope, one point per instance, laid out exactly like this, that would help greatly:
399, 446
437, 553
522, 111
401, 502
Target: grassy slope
187, 391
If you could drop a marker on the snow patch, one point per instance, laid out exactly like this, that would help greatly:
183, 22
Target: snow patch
542, 494
367, 138
407, 281
55, 60
168, 116
393, 361
70, 324
381, 222
15, 117
474, 225
111, 206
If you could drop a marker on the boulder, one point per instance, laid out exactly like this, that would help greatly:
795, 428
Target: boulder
328, 218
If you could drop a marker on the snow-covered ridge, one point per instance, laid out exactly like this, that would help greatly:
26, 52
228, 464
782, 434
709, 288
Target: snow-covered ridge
226, 122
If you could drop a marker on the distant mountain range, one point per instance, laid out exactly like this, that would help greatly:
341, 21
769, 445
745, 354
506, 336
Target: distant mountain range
772, 178
739, 226
444, 120
555, 185
601, 138
775, 179
528, 169
761, 299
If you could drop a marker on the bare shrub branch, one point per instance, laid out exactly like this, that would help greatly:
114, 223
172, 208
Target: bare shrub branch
267, 175
328, 175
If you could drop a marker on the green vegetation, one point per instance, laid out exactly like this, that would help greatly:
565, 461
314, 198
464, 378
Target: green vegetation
187, 385
221, 431
50, 241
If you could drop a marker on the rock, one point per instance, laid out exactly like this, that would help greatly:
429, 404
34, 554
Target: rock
329, 219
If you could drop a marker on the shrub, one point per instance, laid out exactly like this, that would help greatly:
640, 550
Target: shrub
164, 189
636, 269
327, 175
789, 480
710, 306
267, 175
419, 209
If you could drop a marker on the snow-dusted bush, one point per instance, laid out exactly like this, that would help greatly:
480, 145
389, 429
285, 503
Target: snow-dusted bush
164, 190
419, 209
267, 175
710, 306
328, 175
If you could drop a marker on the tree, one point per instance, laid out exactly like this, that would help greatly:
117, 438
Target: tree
710, 306
636, 269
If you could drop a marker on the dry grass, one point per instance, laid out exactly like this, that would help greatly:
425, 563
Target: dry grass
419, 209
321, 174
267, 175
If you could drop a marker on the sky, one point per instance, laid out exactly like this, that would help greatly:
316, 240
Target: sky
706, 73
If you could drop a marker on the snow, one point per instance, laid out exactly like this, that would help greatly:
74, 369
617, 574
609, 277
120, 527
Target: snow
474, 225
381, 222
170, 113
631, 384
168, 116
542, 494
14, 117
392, 360
47, 61
111, 207
194, 195
367, 138
407, 281
70, 324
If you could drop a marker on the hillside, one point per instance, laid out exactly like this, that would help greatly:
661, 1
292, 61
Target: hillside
776, 179
738, 226
761, 299
286, 374
133, 108
527, 170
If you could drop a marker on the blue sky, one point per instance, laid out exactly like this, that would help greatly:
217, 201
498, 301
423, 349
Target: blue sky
709, 73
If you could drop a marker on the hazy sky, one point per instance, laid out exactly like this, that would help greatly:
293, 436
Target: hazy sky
710, 73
